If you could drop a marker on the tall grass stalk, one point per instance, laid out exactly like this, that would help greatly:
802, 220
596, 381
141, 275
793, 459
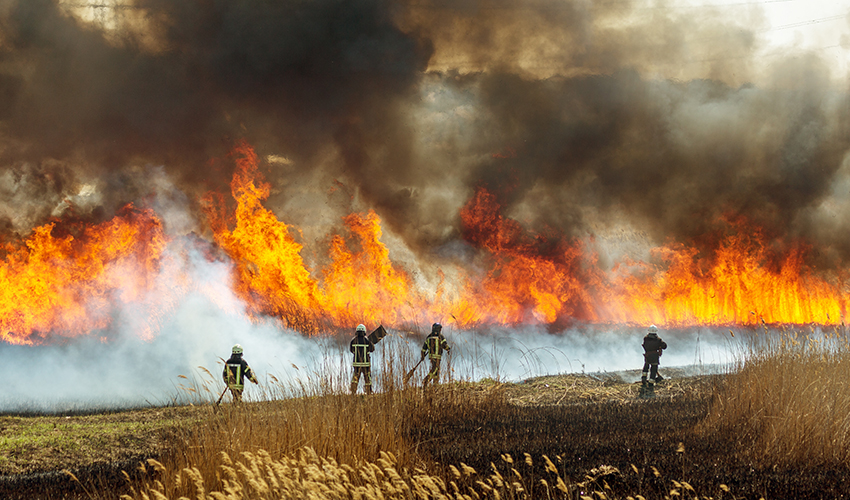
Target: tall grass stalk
789, 400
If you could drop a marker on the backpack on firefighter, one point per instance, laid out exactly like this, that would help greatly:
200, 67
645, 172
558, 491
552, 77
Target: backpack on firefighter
362, 348
235, 371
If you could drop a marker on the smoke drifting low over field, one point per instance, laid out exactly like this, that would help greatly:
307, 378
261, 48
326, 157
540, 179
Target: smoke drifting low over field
624, 125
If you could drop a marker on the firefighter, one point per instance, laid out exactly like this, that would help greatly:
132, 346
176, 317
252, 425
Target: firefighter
362, 347
434, 346
235, 371
652, 347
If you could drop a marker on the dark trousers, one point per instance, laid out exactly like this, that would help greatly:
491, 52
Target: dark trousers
237, 395
367, 377
433, 373
651, 369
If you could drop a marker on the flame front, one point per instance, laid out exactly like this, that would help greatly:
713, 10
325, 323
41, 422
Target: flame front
524, 284
526, 278
67, 285
737, 286
272, 278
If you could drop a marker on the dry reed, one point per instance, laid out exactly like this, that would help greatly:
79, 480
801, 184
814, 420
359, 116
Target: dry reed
789, 400
306, 474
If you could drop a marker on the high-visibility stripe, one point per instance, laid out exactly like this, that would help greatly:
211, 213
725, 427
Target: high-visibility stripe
434, 347
237, 370
361, 352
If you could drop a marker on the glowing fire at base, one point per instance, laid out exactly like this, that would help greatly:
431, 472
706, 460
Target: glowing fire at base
737, 285
69, 285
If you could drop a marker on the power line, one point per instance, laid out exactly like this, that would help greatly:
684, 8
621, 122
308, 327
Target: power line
800, 24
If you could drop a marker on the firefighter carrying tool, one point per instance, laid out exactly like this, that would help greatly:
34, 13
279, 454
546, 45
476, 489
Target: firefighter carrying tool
362, 347
433, 347
235, 371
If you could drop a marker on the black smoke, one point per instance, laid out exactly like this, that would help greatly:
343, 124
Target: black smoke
580, 116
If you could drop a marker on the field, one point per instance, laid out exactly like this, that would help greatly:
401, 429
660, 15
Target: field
776, 427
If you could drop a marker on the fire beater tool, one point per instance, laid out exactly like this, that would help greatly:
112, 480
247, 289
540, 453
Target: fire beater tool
378, 334
222, 395
222, 392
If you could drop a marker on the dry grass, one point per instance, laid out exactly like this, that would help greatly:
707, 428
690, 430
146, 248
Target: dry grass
600, 388
306, 474
324, 444
316, 413
789, 401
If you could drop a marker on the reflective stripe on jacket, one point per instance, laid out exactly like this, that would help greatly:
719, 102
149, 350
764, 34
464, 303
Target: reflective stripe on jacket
434, 346
361, 346
235, 380
235, 371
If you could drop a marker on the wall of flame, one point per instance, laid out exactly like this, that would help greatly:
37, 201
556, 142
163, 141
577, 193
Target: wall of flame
63, 286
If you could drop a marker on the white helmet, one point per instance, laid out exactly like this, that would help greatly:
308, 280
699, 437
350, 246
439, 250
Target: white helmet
653, 329
361, 328
237, 349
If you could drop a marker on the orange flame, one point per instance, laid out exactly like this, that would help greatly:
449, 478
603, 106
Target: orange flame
365, 284
738, 285
67, 285
525, 284
528, 277
273, 279
270, 274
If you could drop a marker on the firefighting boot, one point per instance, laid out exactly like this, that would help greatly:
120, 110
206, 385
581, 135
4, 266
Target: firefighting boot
369, 389
353, 388
643, 381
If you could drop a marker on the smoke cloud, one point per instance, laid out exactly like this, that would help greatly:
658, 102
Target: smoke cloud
624, 123
581, 116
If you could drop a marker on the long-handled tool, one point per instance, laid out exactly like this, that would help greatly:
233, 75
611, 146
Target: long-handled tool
410, 373
222, 395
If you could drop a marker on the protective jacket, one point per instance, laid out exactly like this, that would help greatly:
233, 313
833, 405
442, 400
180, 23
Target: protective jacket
361, 347
652, 346
434, 345
235, 371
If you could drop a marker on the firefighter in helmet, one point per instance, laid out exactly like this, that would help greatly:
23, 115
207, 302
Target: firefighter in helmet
652, 348
235, 371
433, 347
362, 347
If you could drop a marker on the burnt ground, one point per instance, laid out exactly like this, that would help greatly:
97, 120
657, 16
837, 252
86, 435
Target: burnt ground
635, 445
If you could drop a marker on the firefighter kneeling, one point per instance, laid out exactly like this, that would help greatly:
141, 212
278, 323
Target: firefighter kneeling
434, 346
361, 347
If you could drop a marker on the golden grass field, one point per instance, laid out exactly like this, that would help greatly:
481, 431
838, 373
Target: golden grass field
776, 426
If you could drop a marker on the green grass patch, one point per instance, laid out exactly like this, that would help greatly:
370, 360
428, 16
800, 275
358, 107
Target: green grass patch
47, 443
